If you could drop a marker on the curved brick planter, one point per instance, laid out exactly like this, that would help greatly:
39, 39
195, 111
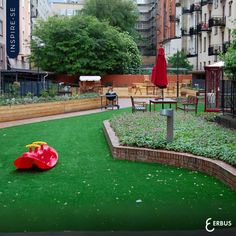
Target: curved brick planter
219, 169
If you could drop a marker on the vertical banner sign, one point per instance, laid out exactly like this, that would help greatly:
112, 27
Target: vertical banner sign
12, 28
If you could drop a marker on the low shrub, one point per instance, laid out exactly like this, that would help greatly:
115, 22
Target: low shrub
210, 116
4, 101
192, 134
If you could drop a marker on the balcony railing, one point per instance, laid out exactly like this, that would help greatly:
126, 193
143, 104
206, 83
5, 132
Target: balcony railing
173, 18
205, 2
195, 7
203, 27
191, 54
177, 3
192, 31
215, 49
217, 21
186, 10
184, 32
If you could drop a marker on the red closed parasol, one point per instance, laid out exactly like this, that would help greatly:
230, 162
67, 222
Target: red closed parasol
159, 71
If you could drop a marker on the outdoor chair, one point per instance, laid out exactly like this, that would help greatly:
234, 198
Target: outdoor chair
138, 105
189, 104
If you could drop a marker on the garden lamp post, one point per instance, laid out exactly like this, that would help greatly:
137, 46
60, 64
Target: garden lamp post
177, 72
169, 113
39, 45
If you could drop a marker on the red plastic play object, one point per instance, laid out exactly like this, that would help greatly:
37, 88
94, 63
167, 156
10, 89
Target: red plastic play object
43, 156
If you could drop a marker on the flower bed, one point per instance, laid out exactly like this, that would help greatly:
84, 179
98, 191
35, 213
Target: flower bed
5, 101
47, 108
224, 172
192, 135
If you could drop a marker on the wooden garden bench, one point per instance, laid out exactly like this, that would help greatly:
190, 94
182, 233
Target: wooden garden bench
190, 104
138, 105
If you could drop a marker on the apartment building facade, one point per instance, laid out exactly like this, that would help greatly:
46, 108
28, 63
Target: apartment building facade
206, 28
40, 9
146, 26
170, 36
21, 61
30, 11
215, 28
67, 7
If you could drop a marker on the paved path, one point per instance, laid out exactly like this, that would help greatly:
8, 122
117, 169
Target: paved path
123, 102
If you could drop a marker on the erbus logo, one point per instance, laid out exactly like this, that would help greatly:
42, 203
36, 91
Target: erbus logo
211, 224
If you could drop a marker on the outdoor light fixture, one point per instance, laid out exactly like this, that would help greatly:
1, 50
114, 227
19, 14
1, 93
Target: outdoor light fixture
169, 113
177, 73
39, 45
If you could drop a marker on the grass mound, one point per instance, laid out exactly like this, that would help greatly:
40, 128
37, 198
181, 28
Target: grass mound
192, 134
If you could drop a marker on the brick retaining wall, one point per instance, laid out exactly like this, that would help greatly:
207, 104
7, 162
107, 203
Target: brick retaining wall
219, 169
128, 80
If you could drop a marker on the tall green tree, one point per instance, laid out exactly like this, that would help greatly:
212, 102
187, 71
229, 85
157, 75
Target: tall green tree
118, 13
230, 59
82, 45
179, 59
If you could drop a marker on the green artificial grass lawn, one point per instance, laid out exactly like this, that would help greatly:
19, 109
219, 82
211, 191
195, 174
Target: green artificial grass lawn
89, 190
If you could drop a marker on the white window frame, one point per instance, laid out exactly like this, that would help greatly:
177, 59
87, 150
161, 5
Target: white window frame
1, 53
1, 28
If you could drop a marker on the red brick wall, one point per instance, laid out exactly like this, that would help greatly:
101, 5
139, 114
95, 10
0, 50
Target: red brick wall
128, 80
120, 80
72, 79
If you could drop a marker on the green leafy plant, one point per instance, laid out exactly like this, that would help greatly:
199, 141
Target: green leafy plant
83, 45
180, 60
44, 93
45, 98
14, 89
29, 95
230, 58
122, 14
192, 134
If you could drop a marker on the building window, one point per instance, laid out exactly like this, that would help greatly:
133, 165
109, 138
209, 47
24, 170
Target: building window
140, 1
63, 12
1, 3
209, 62
204, 64
216, 3
215, 58
200, 45
1, 28
204, 46
216, 30
230, 8
200, 66
70, 12
1, 53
